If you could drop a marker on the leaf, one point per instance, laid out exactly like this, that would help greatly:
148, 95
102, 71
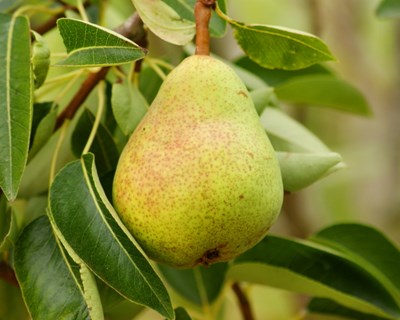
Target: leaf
89, 45
181, 314
299, 170
277, 47
8, 230
368, 247
164, 21
262, 98
37, 251
128, 105
330, 307
103, 146
274, 77
43, 122
40, 59
288, 135
314, 269
389, 9
185, 9
184, 281
15, 101
93, 230
323, 91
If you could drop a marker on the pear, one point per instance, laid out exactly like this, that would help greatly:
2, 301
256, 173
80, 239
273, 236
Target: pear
198, 181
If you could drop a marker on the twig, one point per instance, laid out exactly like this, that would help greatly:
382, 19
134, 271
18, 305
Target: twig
7, 274
202, 12
244, 303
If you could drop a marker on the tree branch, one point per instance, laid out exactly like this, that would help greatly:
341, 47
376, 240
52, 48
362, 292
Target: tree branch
7, 274
244, 303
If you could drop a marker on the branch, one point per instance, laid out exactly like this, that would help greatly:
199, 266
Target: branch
202, 12
7, 274
244, 303
133, 29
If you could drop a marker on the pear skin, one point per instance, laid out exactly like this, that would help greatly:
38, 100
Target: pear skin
198, 181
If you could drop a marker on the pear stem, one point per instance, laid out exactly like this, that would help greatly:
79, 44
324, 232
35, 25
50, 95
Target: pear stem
202, 12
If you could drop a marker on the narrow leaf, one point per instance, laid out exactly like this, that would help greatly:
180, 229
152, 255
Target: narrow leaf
368, 247
181, 314
90, 45
317, 270
43, 122
323, 91
389, 9
165, 22
93, 230
332, 308
184, 281
299, 170
289, 135
15, 101
277, 47
262, 98
40, 60
42, 269
128, 105
103, 146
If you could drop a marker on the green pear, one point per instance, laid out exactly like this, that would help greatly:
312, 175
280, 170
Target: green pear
198, 181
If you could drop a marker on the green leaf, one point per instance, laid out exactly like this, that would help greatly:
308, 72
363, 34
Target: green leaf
90, 45
274, 77
43, 122
185, 9
330, 307
15, 101
40, 59
262, 98
103, 146
42, 270
323, 91
294, 136
367, 247
165, 22
299, 170
304, 266
277, 47
128, 105
185, 283
93, 230
181, 314
8, 230
389, 9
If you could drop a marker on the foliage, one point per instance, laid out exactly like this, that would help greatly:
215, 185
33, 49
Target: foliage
61, 131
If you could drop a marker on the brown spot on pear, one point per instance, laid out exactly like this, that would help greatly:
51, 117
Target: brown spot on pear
179, 182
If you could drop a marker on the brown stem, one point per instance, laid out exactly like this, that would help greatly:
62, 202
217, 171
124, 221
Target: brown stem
202, 12
244, 303
7, 274
132, 28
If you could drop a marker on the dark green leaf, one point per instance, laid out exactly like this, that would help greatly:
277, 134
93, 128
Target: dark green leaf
277, 47
42, 270
93, 230
103, 146
149, 84
317, 270
275, 77
330, 307
181, 314
368, 247
323, 91
389, 9
15, 101
128, 105
90, 45
185, 283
